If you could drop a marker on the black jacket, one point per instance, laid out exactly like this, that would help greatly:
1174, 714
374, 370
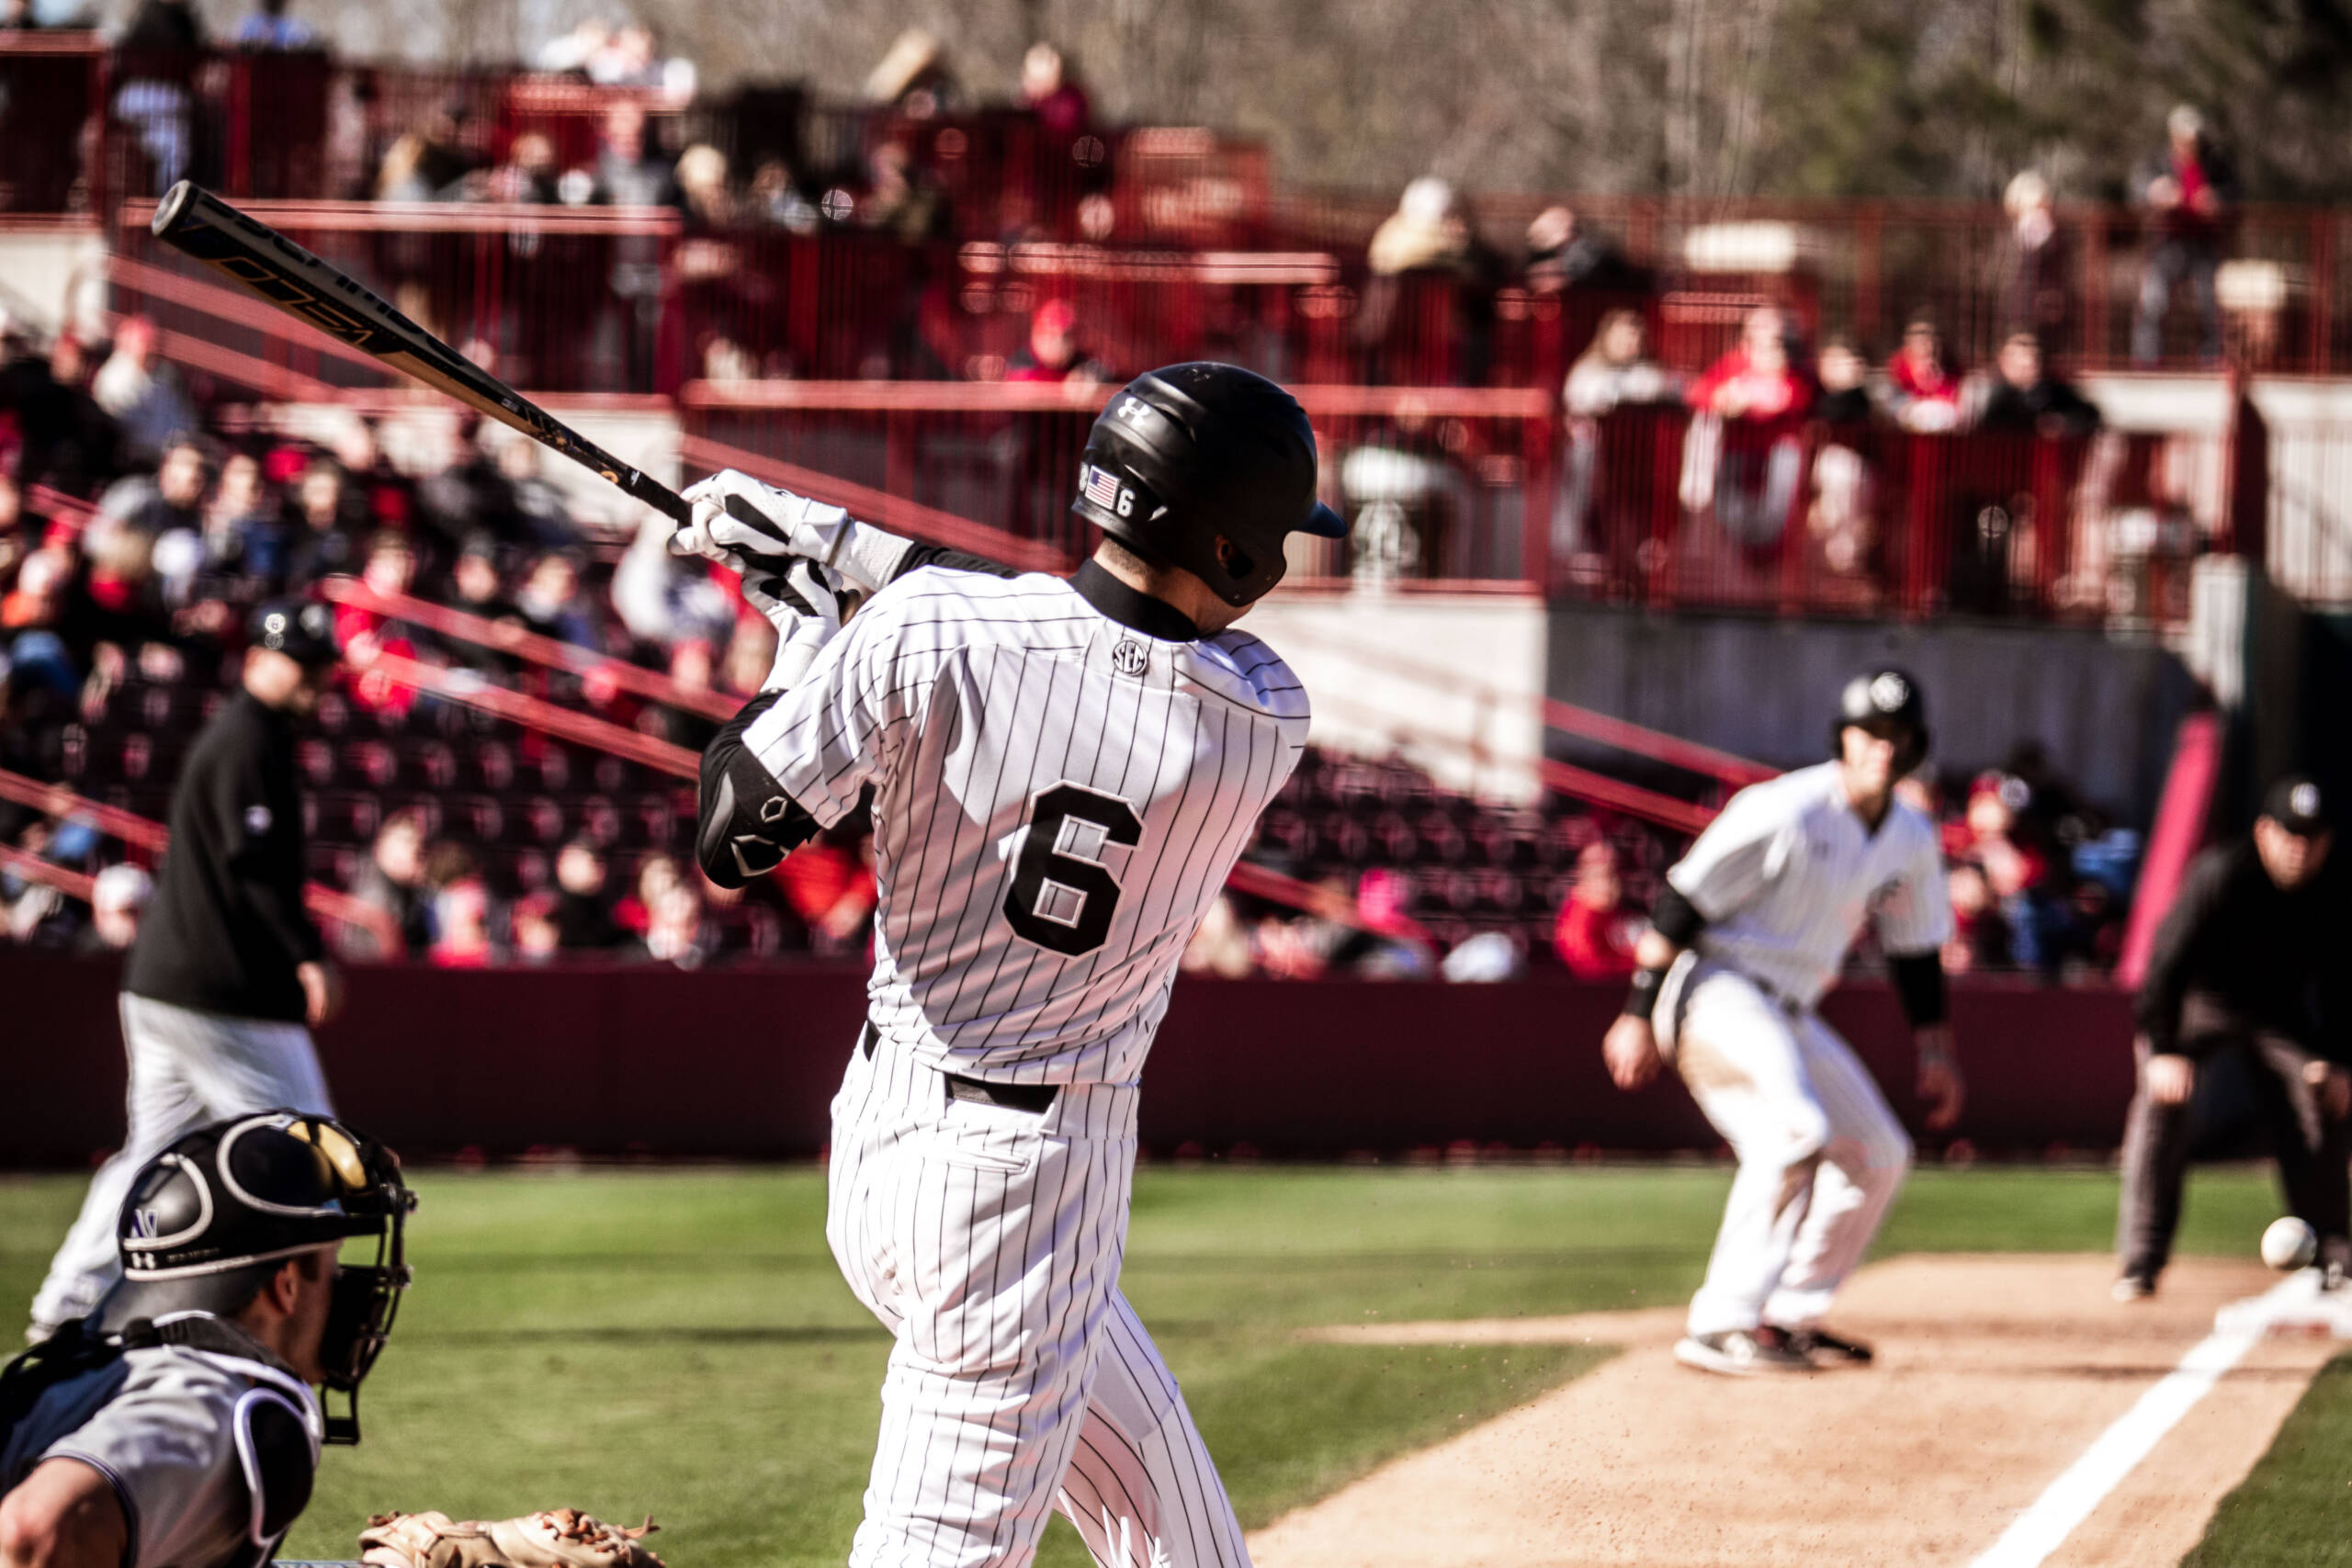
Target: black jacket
2272, 958
227, 926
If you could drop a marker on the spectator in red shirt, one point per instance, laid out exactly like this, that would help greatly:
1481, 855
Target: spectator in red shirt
1927, 384
1758, 379
1597, 928
1056, 351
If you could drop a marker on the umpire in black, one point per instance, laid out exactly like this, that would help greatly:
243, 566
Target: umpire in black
2251, 960
228, 975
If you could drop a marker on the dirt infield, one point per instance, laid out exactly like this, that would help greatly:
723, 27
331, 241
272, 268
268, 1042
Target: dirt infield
1995, 1374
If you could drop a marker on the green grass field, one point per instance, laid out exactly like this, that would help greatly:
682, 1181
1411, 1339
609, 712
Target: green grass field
677, 1341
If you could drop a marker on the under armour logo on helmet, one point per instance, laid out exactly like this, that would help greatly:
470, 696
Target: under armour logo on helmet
1889, 692
1133, 410
2303, 800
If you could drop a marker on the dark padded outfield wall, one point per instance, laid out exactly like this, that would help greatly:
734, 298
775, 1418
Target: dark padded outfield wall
653, 1061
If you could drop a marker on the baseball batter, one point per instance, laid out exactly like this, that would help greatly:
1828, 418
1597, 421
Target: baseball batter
1063, 772
1750, 930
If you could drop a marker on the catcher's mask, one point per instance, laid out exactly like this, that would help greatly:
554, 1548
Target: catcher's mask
212, 1217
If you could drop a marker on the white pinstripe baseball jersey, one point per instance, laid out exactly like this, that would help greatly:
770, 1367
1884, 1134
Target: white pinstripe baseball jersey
1788, 872
1058, 797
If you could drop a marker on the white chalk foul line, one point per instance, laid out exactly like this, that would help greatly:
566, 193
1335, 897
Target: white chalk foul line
2070, 1499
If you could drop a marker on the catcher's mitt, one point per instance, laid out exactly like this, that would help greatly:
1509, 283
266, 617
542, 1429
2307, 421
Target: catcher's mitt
555, 1537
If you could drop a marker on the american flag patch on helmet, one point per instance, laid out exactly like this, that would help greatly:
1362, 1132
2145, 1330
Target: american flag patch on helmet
1099, 485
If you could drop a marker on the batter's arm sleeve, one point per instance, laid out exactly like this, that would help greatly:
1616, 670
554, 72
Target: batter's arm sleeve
842, 727
257, 822
1919, 987
921, 556
1739, 852
748, 823
2175, 958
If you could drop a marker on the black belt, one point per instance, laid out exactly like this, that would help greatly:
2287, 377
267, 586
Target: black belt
1034, 1098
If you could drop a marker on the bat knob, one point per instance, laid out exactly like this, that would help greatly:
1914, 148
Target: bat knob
173, 208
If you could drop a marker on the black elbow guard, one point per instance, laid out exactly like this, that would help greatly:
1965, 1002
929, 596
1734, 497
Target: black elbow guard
749, 824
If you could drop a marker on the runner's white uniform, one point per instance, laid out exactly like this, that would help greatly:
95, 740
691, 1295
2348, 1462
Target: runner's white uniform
1785, 878
1058, 797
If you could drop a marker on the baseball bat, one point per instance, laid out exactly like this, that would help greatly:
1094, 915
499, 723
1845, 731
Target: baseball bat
265, 263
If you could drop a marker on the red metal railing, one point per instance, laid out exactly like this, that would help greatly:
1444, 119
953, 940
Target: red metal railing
153, 836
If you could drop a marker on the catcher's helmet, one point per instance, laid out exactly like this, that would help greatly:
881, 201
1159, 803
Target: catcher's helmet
1885, 702
210, 1219
1185, 454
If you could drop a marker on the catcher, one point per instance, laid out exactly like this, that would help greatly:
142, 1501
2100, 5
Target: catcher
175, 1426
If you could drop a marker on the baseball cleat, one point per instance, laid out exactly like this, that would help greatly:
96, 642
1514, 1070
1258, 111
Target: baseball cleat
2129, 1288
1824, 1348
1740, 1353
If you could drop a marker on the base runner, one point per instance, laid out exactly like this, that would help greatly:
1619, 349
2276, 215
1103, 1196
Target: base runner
1751, 929
1063, 772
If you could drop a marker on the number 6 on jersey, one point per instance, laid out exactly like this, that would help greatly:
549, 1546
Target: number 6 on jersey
1062, 895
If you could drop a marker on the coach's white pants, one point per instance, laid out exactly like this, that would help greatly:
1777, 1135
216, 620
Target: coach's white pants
988, 1241
1820, 1155
187, 1068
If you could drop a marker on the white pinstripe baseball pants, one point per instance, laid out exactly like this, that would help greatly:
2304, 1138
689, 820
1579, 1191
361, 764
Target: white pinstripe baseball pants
988, 1241
1821, 1157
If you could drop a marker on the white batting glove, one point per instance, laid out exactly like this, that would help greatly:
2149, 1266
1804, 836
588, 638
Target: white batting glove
743, 524
803, 603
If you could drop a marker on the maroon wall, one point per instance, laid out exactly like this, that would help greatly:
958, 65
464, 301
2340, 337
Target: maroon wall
614, 1060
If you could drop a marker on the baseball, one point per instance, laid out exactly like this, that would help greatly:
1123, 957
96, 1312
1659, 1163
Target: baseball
2289, 1244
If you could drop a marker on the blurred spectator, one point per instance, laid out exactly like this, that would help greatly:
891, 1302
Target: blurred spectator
829, 883
2026, 398
572, 50
462, 937
1366, 936
1759, 379
2039, 297
913, 78
528, 175
159, 58
1615, 368
583, 910
393, 881
119, 899
1050, 90
537, 940
270, 26
1843, 396
1980, 937
141, 391
631, 57
1221, 946
900, 199
432, 161
656, 874
2019, 872
1597, 926
1429, 235
702, 187
677, 932
550, 602
775, 197
1055, 351
1564, 252
627, 173
330, 530
68, 440
1487, 958
1742, 460
240, 509
172, 499
20, 531
1926, 386
2189, 191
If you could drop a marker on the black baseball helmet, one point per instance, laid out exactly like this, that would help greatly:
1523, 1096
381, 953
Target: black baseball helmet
1183, 455
212, 1217
304, 633
1887, 703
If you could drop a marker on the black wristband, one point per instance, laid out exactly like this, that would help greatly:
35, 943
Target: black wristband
1641, 997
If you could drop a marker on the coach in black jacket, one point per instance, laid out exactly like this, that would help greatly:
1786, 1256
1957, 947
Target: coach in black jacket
228, 975
2250, 959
